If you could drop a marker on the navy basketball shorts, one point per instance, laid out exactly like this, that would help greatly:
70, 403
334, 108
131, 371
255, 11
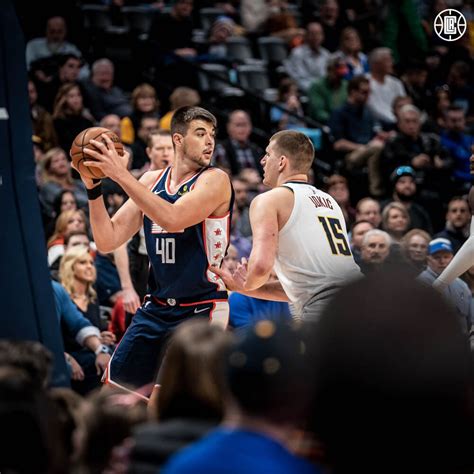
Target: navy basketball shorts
136, 359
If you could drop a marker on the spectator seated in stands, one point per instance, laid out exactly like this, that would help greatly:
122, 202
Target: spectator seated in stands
368, 209
66, 223
221, 30
396, 222
355, 130
375, 251
101, 96
148, 124
288, 99
190, 399
458, 217
69, 115
68, 69
41, 120
282, 23
337, 187
455, 139
238, 152
440, 253
241, 243
350, 50
76, 326
144, 102
56, 178
383, 86
160, 149
414, 246
64, 201
460, 88
422, 151
328, 93
414, 79
332, 22
308, 61
358, 231
242, 203
180, 97
266, 401
404, 192
78, 275
54, 43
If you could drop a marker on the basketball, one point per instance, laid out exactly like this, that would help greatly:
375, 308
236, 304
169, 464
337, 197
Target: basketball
82, 141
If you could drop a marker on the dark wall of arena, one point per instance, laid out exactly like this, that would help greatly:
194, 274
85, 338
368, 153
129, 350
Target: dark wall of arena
27, 309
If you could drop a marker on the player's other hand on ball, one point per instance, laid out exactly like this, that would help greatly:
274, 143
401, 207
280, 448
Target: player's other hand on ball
88, 182
232, 283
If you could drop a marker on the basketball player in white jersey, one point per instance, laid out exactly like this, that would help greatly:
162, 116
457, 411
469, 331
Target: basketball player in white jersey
297, 229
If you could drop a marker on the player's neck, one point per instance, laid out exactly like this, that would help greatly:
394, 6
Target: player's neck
293, 177
182, 170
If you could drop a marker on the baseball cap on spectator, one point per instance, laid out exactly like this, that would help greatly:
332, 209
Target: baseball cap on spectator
402, 171
437, 245
266, 370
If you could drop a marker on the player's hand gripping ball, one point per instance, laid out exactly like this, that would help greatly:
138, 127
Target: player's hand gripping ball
82, 141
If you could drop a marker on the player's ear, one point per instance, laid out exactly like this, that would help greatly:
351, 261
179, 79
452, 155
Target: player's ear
283, 161
177, 139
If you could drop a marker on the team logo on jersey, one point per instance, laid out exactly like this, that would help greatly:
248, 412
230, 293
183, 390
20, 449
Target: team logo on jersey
450, 25
184, 190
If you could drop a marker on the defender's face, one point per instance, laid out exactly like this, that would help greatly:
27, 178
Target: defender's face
270, 163
199, 141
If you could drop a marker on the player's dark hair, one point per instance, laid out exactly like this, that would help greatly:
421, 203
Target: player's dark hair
185, 115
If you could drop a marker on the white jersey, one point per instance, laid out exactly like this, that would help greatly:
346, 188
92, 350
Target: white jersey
314, 258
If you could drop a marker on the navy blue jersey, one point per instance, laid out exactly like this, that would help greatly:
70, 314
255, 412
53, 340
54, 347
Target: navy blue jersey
180, 261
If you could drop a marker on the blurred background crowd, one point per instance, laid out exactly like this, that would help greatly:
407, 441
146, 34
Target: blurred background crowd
388, 105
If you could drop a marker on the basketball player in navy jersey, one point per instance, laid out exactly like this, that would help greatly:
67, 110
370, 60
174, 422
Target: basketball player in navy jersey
186, 212
298, 230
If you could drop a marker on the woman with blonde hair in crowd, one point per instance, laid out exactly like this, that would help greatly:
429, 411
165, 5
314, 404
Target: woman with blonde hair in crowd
395, 220
414, 246
144, 102
67, 221
69, 115
57, 177
77, 274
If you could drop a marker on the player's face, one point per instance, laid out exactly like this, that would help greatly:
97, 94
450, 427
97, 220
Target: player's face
161, 152
199, 141
418, 248
84, 269
270, 163
439, 261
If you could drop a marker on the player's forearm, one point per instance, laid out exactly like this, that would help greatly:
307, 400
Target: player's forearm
158, 210
271, 291
123, 268
102, 226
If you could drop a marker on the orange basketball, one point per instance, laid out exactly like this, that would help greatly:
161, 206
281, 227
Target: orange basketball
82, 141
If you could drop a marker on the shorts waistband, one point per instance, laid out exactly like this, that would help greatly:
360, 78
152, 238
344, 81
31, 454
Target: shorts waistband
218, 296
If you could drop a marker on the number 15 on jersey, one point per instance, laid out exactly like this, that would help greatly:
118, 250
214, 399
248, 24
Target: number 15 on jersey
333, 230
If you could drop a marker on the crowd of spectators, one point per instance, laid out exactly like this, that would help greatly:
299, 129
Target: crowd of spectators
390, 110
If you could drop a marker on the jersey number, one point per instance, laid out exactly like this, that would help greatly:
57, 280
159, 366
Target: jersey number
337, 241
166, 248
